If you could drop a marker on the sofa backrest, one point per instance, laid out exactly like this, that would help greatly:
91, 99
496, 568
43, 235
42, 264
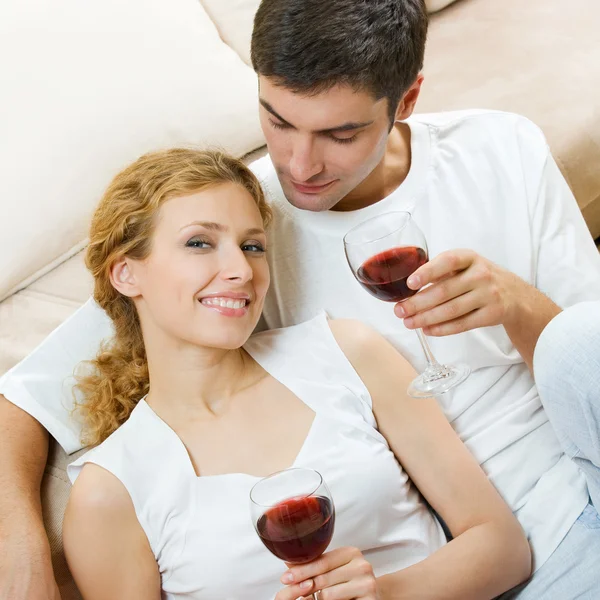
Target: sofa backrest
87, 87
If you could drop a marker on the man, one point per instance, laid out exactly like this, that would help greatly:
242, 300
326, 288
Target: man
338, 83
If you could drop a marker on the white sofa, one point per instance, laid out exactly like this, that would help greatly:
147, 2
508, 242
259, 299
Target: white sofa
92, 85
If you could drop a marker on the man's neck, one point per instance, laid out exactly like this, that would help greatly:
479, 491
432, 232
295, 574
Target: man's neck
387, 176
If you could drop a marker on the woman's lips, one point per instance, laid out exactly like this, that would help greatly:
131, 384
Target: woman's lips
229, 312
312, 189
226, 305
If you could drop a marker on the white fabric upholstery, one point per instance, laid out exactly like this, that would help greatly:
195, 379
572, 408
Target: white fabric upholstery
234, 20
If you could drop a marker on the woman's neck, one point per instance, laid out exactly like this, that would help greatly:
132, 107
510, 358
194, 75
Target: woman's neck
190, 382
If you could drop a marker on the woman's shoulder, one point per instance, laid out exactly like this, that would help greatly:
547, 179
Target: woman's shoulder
354, 335
103, 538
100, 492
132, 439
357, 340
373, 357
98, 502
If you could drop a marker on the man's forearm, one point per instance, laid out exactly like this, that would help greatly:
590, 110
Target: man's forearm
25, 566
23, 454
527, 320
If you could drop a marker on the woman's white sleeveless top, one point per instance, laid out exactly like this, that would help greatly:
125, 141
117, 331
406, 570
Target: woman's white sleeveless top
200, 528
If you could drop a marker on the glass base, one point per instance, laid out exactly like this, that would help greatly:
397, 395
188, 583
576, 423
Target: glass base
438, 379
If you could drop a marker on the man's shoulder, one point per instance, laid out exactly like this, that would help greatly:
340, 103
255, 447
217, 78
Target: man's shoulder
480, 126
476, 116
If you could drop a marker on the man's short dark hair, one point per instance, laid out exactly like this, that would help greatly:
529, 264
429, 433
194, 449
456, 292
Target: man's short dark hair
308, 46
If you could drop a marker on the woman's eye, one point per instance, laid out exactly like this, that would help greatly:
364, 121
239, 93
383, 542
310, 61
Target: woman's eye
197, 243
253, 247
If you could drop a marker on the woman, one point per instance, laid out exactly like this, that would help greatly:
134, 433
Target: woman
190, 410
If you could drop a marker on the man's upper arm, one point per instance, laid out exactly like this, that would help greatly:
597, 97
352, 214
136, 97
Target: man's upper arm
106, 548
567, 260
42, 383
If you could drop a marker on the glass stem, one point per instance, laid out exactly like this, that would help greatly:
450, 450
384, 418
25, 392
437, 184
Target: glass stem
431, 361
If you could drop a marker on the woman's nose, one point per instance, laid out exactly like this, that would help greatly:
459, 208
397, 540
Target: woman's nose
235, 266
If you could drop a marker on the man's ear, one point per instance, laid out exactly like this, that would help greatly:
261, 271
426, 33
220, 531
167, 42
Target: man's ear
406, 106
122, 278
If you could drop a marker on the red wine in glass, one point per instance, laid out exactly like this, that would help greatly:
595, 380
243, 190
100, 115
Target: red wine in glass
384, 275
298, 530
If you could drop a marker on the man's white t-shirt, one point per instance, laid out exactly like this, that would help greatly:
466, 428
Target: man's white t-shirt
479, 180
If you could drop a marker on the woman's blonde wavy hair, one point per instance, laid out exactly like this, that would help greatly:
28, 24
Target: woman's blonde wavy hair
123, 225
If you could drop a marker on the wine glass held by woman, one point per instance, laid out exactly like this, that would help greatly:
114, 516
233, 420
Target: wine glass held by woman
186, 410
294, 515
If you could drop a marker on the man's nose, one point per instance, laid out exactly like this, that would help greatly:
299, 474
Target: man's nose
305, 162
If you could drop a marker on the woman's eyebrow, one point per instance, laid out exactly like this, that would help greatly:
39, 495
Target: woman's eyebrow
219, 227
207, 225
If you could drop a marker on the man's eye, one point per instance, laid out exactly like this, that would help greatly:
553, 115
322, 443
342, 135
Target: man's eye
197, 243
253, 247
349, 140
277, 125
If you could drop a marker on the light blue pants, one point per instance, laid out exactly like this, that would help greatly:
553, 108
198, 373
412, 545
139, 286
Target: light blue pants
573, 570
567, 374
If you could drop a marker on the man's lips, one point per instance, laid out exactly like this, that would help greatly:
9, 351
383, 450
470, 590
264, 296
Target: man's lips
312, 189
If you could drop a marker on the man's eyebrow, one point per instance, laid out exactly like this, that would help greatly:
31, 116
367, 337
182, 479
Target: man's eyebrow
338, 129
270, 109
345, 127
218, 227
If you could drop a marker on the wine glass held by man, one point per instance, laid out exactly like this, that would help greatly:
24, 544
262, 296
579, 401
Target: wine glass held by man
187, 411
383, 252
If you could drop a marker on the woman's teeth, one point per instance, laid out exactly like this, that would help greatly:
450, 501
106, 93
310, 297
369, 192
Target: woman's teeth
224, 302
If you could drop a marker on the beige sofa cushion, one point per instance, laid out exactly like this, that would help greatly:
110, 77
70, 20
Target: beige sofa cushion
28, 317
536, 58
88, 87
55, 494
435, 5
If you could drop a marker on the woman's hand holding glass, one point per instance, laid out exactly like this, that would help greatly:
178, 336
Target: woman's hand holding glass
294, 516
342, 574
